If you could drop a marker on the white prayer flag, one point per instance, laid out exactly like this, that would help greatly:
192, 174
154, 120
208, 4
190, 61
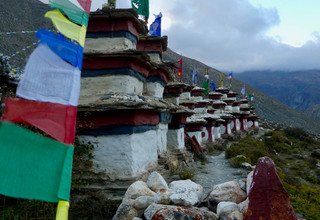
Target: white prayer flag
48, 78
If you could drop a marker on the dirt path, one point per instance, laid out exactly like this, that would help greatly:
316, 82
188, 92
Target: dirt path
216, 171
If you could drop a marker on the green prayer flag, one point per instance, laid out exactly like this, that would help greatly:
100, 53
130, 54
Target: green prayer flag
73, 12
33, 166
141, 7
205, 85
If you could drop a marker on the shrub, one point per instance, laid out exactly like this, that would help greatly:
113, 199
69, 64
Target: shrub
299, 134
238, 160
186, 172
249, 147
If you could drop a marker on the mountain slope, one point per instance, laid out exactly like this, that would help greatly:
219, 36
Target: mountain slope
298, 90
17, 16
266, 107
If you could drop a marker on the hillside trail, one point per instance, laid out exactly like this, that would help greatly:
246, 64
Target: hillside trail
218, 169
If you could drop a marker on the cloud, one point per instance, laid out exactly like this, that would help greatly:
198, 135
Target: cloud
230, 35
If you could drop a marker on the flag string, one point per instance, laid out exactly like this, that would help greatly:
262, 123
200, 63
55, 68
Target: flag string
17, 32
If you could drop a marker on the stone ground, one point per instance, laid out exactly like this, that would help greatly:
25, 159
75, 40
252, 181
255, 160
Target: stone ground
217, 170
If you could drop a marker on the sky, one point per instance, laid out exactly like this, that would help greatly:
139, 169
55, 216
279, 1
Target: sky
241, 35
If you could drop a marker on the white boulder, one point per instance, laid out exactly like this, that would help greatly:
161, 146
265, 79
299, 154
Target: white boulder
137, 189
227, 192
156, 182
185, 192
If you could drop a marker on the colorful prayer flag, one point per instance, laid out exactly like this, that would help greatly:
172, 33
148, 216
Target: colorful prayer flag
48, 78
33, 166
205, 85
73, 12
180, 67
213, 86
194, 76
58, 121
86, 4
67, 50
243, 90
141, 7
155, 27
66, 27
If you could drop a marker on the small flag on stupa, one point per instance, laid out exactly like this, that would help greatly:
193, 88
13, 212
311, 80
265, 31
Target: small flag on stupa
243, 90
141, 7
155, 27
194, 76
180, 67
213, 86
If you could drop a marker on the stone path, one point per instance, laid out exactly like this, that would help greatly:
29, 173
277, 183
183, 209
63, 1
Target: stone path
217, 170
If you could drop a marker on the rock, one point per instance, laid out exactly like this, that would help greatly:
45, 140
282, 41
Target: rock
137, 189
226, 208
169, 212
268, 199
236, 215
125, 211
229, 191
156, 182
185, 192
249, 181
242, 184
243, 206
247, 166
142, 202
162, 198
316, 153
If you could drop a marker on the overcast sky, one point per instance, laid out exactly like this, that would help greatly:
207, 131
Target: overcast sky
238, 35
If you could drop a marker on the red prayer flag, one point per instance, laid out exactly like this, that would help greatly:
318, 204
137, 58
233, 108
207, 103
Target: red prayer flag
180, 68
58, 121
86, 4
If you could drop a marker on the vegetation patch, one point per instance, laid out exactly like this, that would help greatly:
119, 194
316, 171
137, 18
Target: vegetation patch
249, 147
291, 149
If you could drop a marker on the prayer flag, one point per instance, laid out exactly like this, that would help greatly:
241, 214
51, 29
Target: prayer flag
67, 50
58, 121
73, 12
180, 67
205, 85
155, 27
243, 90
33, 166
141, 7
48, 78
213, 86
194, 76
66, 27
230, 75
251, 97
86, 4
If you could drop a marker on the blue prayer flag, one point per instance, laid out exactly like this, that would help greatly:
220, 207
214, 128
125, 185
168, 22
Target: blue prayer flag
243, 90
213, 86
230, 75
64, 48
194, 76
155, 27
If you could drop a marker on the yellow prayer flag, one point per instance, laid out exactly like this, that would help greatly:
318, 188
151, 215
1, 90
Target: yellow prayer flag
66, 27
62, 210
